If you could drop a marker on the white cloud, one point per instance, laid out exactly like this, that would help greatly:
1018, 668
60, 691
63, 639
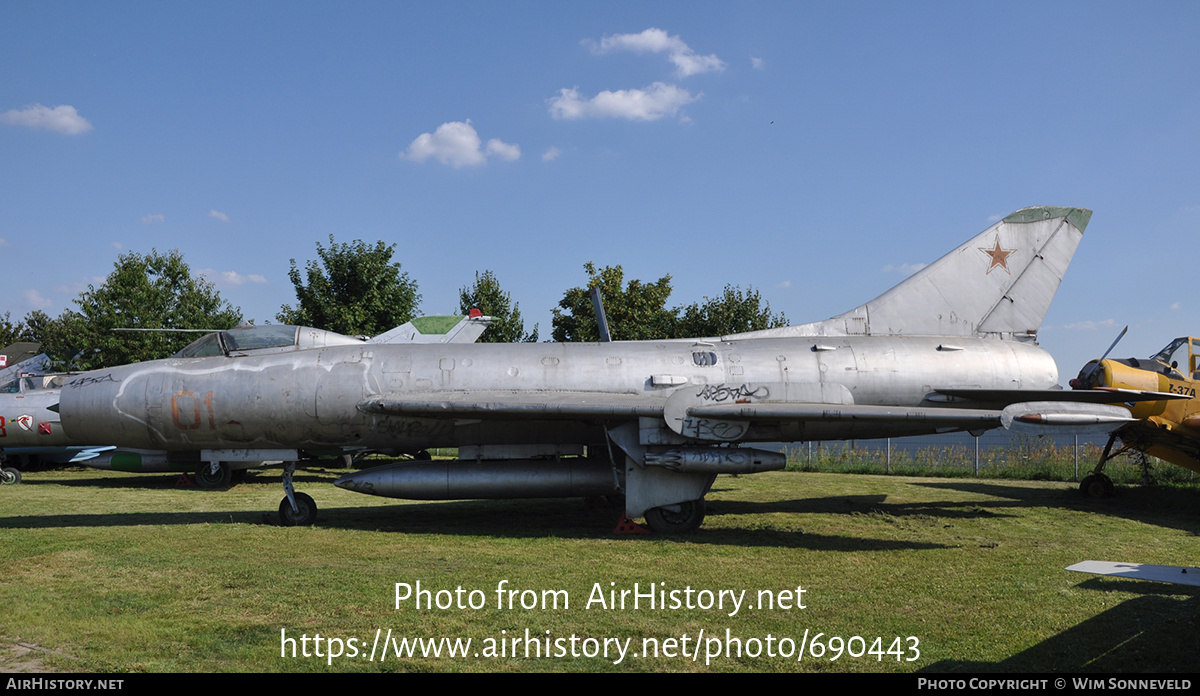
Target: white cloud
61, 119
784, 285
1176, 305
226, 278
654, 102
35, 300
4, 242
757, 63
118, 246
687, 62
457, 144
506, 152
549, 155
218, 215
153, 219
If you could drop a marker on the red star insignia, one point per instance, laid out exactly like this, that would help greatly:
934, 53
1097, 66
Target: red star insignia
999, 256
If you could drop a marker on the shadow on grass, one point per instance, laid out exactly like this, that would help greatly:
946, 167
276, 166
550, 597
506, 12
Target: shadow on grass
536, 518
1155, 632
570, 518
1162, 506
860, 504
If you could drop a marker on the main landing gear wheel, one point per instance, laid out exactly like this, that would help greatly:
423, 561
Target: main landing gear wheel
304, 514
680, 518
207, 478
1096, 486
9, 476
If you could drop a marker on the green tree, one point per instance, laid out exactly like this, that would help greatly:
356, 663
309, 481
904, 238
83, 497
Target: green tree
354, 289
487, 297
636, 311
12, 333
155, 291
733, 312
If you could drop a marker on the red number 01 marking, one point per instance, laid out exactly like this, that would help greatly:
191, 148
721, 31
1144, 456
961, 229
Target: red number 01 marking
196, 420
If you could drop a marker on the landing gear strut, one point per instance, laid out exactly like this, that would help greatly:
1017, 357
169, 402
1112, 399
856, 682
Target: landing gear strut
297, 509
1097, 484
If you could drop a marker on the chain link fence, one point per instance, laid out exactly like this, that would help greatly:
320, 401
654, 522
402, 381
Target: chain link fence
994, 454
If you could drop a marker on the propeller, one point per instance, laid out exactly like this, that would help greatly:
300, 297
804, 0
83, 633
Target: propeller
1115, 342
1085, 379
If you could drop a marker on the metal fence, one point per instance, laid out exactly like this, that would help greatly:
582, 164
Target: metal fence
996, 453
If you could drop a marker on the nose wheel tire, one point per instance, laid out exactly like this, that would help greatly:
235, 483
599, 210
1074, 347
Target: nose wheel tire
1096, 486
680, 518
10, 476
304, 514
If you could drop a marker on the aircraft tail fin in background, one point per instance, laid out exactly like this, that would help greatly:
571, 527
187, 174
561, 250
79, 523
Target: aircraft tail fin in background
438, 329
20, 358
999, 283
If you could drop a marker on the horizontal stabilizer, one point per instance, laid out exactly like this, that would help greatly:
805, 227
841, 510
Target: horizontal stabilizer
1141, 571
1049, 417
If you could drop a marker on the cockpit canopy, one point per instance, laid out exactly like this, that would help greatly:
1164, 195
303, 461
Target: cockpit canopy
29, 383
273, 338
1181, 355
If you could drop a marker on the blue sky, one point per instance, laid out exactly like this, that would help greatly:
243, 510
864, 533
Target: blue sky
814, 151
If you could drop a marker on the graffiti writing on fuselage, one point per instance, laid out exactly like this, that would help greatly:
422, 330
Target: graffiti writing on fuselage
87, 381
724, 392
706, 429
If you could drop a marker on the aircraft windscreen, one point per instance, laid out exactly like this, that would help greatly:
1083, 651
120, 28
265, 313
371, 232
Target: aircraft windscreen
205, 347
256, 337
241, 339
1174, 354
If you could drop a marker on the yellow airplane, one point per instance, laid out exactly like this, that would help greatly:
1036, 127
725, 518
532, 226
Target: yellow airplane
1167, 428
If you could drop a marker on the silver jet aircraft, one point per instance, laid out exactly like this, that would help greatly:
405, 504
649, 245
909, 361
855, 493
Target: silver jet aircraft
653, 422
31, 431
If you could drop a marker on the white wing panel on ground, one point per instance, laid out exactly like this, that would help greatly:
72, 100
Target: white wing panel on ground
1140, 571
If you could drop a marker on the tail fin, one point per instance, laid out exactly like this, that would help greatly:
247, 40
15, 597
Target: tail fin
1000, 283
438, 329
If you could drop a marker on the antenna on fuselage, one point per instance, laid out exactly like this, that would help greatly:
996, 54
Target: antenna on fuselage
601, 320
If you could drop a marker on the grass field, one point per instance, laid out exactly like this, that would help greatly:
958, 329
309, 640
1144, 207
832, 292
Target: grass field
120, 573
